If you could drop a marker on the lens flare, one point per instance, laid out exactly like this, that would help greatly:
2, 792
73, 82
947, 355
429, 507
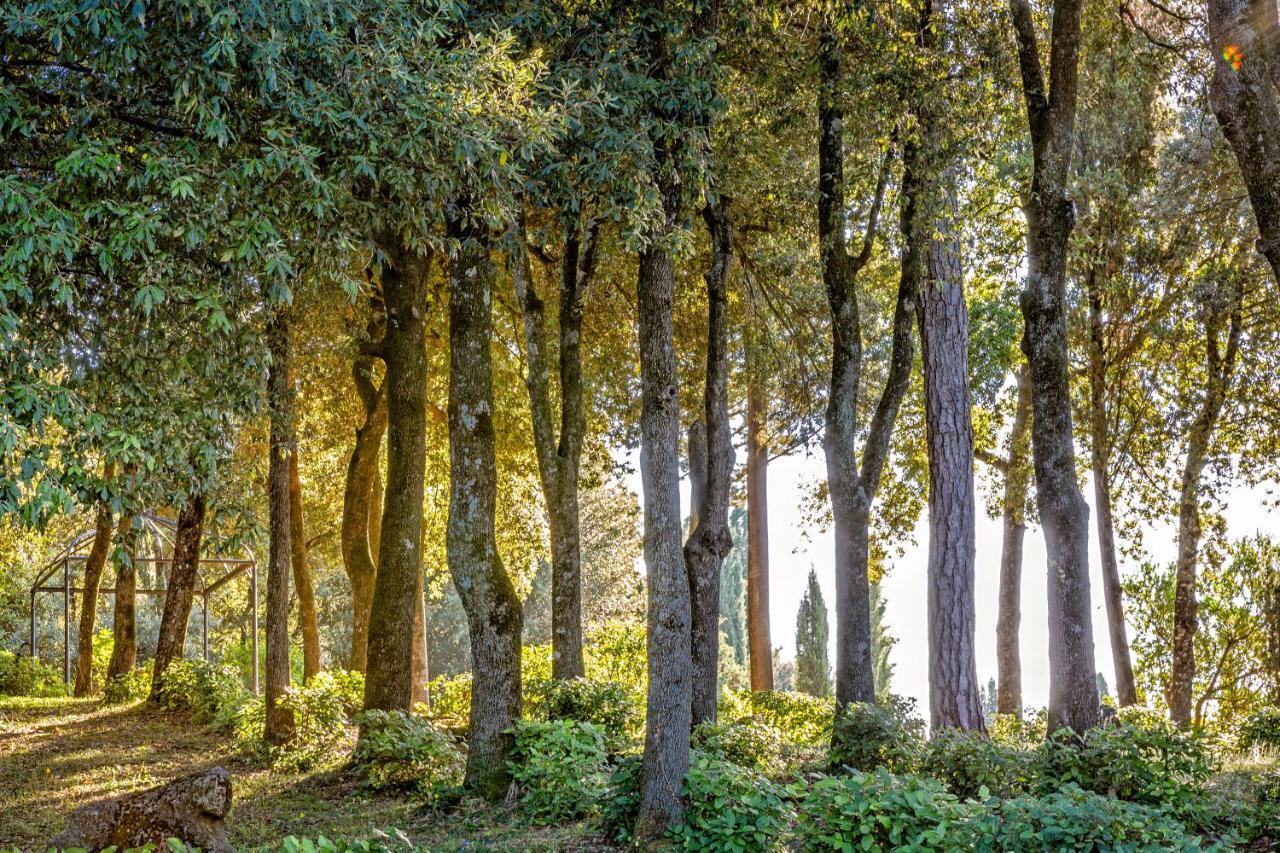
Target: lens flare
1232, 55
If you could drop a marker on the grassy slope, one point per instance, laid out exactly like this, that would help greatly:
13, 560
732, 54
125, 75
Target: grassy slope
58, 754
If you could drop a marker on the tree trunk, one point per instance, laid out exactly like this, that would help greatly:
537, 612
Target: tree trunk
124, 627
306, 593
1073, 687
184, 571
388, 682
759, 643
421, 670
279, 720
558, 461
362, 497
709, 539
93, 567
1016, 476
1244, 37
494, 615
1219, 367
1100, 461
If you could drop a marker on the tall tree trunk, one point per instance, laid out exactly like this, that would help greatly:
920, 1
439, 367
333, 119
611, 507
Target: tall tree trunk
420, 670
306, 593
1100, 463
1244, 37
1016, 476
759, 643
388, 684
362, 496
184, 571
279, 720
124, 626
494, 615
1073, 686
93, 567
558, 461
709, 540
1220, 363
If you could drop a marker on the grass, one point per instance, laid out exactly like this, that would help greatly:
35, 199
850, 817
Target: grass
59, 754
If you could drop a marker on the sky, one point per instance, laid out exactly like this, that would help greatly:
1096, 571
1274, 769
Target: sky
795, 545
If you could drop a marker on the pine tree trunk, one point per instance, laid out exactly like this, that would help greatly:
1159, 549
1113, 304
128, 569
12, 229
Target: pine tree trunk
759, 643
709, 540
388, 682
279, 720
184, 572
494, 616
305, 589
362, 498
1016, 476
93, 568
1064, 516
124, 627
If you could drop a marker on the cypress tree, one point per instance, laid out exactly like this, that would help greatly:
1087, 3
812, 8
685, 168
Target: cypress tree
813, 669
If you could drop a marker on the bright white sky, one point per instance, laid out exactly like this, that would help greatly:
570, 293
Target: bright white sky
793, 549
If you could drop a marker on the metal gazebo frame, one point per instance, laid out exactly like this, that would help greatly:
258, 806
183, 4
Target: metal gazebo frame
161, 528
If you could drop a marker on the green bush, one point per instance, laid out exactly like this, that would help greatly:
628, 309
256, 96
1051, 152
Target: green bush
322, 709
620, 804
1261, 730
729, 808
880, 811
606, 704
450, 703
402, 751
870, 735
747, 742
21, 675
1024, 734
971, 765
213, 693
561, 768
133, 686
1073, 819
804, 720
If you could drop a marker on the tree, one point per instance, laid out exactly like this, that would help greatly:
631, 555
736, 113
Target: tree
184, 571
93, 566
302, 582
882, 643
813, 667
1014, 528
758, 637
733, 583
1051, 114
279, 719
124, 625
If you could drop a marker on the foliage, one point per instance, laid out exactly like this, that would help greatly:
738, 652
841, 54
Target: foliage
213, 693
606, 704
1008, 730
621, 802
871, 735
322, 710
747, 742
879, 811
21, 675
971, 765
560, 767
450, 701
813, 667
133, 686
404, 751
729, 807
1261, 730
802, 719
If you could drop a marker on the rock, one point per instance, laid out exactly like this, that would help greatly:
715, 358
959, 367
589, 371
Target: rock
191, 809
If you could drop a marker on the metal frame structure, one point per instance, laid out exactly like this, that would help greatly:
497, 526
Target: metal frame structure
75, 551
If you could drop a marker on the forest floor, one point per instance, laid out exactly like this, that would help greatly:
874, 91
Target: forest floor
59, 754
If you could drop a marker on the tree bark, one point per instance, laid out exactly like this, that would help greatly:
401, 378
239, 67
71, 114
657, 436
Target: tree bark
1073, 688
362, 496
559, 460
388, 682
1244, 38
759, 643
1100, 462
1009, 620
279, 720
305, 589
1220, 360
420, 670
494, 615
853, 486
184, 571
709, 539
93, 568
124, 626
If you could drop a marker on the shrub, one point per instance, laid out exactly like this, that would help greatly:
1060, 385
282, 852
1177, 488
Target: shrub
21, 675
561, 768
1073, 819
1260, 730
621, 802
606, 704
803, 719
747, 742
729, 808
880, 811
972, 765
213, 693
398, 750
1025, 734
321, 711
133, 686
870, 735
450, 703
